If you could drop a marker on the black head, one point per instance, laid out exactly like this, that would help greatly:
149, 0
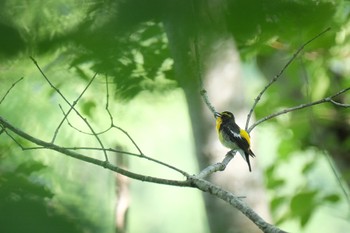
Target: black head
225, 116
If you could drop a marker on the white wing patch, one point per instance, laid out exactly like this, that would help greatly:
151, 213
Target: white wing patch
236, 135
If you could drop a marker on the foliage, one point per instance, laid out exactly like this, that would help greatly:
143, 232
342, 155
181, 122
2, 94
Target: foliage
132, 49
25, 202
135, 62
136, 58
261, 27
303, 203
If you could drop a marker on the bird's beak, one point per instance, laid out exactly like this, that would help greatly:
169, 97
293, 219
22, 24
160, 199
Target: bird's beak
216, 115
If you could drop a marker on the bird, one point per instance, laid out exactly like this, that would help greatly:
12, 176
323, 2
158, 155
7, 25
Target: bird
232, 136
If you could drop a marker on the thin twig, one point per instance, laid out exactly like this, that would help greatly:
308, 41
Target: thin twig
12, 86
130, 138
108, 112
301, 106
72, 107
107, 102
205, 97
198, 65
257, 99
141, 154
338, 177
111, 123
81, 131
339, 104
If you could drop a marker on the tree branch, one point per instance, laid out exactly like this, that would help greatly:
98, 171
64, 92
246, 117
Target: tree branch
51, 146
218, 166
287, 110
257, 99
8, 91
236, 202
71, 106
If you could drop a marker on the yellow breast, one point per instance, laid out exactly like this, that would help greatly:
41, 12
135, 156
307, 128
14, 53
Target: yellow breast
218, 123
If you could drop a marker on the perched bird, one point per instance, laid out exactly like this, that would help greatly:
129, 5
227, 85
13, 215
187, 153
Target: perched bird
232, 136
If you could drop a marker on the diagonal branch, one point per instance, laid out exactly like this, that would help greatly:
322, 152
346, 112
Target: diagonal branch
257, 99
221, 166
51, 146
301, 106
236, 202
107, 109
72, 107
8, 91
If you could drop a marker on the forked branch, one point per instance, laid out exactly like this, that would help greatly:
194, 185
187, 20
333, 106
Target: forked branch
301, 106
257, 99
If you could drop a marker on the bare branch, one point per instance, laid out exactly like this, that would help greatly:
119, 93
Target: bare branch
140, 155
110, 117
107, 102
218, 166
339, 178
257, 99
130, 138
105, 164
108, 112
287, 110
339, 104
205, 97
8, 91
236, 202
72, 107
198, 65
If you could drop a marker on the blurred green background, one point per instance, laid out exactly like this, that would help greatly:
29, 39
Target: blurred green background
299, 153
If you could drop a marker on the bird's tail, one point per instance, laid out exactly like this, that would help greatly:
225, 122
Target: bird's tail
251, 153
246, 157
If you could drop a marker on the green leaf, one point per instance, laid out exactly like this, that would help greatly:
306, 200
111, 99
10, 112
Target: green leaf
88, 108
277, 202
30, 167
308, 167
283, 218
303, 205
271, 181
275, 183
332, 198
286, 147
